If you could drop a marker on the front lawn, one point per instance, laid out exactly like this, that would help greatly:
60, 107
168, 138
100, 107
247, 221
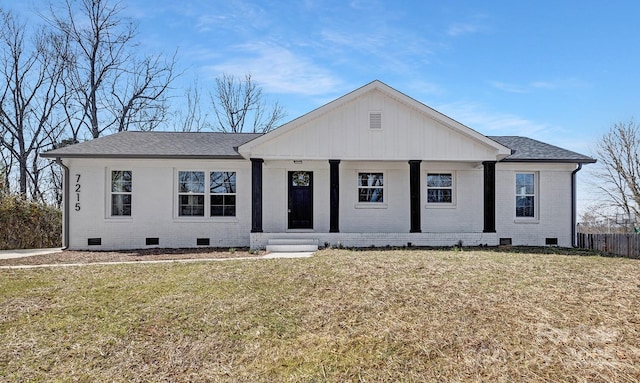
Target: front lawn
370, 316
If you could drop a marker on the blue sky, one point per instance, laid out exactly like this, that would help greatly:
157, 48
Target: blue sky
559, 71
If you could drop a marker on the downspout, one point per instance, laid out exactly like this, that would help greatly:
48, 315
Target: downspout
573, 205
65, 205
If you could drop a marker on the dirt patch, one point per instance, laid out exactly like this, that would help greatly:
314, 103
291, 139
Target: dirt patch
69, 256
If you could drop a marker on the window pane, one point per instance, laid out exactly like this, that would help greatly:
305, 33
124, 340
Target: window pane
229, 211
525, 183
370, 179
121, 181
191, 205
439, 180
121, 204
191, 182
223, 205
525, 207
223, 182
300, 179
371, 195
217, 199
439, 196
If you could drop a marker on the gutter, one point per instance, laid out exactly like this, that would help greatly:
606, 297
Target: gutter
65, 205
573, 204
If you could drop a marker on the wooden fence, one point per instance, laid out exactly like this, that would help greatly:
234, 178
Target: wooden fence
623, 245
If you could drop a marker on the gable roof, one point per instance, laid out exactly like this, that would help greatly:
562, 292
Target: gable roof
529, 150
367, 99
206, 145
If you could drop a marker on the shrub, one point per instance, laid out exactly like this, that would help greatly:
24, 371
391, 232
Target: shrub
28, 225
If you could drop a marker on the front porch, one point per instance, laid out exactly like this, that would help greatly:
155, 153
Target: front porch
261, 240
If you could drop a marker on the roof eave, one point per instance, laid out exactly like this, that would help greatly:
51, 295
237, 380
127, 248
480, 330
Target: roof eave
562, 160
143, 156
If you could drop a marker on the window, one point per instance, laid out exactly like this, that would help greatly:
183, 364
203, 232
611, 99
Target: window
195, 199
371, 187
121, 193
440, 188
223, 194
191, 194
525, 194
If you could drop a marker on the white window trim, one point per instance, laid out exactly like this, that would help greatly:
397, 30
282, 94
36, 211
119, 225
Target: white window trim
372, 205
536, 199
207, 197
454, 194
108, 213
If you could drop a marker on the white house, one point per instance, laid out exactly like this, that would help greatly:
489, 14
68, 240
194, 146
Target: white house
372, 168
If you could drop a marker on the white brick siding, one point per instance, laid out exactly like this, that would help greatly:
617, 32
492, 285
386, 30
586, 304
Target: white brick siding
154, 201
553, 200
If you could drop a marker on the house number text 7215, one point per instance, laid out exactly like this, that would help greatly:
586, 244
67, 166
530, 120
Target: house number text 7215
77, 189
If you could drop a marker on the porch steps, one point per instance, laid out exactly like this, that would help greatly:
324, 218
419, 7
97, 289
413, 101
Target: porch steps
291, 245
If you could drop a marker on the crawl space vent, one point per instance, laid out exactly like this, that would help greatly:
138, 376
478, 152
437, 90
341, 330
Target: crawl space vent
152, 241
505, 241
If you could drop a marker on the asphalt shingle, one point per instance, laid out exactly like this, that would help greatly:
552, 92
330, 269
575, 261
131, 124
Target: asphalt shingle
224, 145
529, 150
158, 145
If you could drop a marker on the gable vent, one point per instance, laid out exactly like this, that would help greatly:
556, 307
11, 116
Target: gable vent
375, 120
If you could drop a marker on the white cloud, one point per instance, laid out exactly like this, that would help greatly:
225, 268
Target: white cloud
568, 83
458, 29
493, 123
279, 70
510, 88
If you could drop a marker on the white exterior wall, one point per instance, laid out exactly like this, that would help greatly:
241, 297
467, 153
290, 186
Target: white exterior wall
390, 216
154, 205
553, 200
343, 133
275, 194
466, 213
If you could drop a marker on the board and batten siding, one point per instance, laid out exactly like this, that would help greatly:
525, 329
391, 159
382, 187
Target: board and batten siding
344, 133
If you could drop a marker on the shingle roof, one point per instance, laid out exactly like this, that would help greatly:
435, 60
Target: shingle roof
157, 145
529, 150
224, 146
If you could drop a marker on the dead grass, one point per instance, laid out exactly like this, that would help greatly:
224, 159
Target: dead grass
366, 316
70, 257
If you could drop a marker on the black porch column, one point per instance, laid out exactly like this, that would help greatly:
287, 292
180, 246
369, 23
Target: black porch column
334, 196
489, 196
256, 195
414, 193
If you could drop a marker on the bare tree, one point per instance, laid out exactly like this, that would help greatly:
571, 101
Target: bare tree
110, 87
239, 106
618, 154
191, 118
31, 72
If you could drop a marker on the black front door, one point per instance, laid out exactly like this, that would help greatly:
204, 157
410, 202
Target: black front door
300, 200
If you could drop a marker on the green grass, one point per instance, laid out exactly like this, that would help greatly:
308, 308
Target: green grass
372, 316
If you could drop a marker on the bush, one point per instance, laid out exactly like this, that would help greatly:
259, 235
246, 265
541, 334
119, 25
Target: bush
28, 225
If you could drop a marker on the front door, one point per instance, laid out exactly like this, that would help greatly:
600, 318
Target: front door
300, 200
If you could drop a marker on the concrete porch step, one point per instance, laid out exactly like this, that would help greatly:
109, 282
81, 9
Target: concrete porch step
291, 245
